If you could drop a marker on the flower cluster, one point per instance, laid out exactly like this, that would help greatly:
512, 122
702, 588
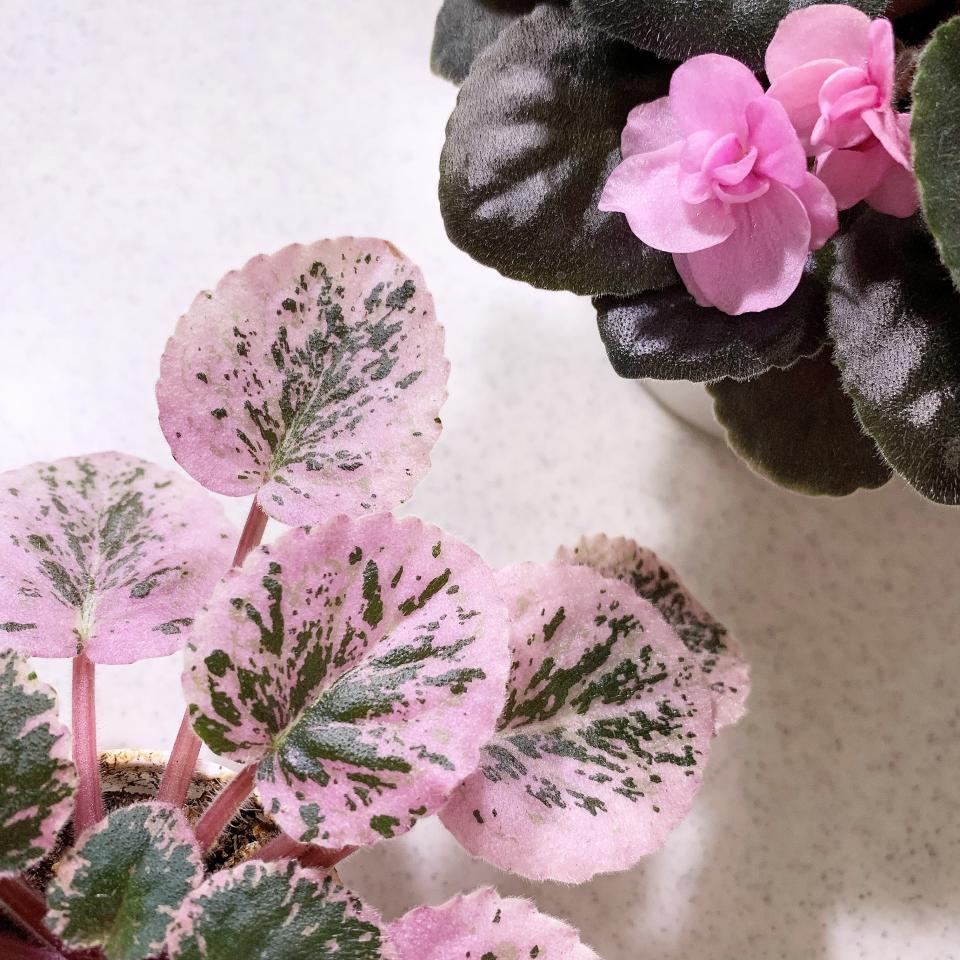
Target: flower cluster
716, 172
775, 217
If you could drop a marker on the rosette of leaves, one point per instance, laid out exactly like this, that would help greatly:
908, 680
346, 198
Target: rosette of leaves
356, 669
601, 746
851, 380
311, 379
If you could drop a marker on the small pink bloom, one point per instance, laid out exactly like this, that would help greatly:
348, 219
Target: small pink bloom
714, 173
832, 68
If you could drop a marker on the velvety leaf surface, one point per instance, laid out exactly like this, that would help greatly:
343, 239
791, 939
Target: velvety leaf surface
275, 911
465, 27
706, 638
533, 138
311, 378
362, 664
935, 131
107, 554
37, 778
798, 428
484, 925
665, 335
680, 29
601, 746
118, 888
895, 317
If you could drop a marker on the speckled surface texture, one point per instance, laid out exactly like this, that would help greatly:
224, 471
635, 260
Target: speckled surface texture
148, 148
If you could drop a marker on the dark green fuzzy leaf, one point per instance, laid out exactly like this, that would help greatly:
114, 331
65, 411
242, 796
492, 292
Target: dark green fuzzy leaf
936, 140
664, 335
465, 27
798, 428
118, 888
895, 318
534, 136
37, 779
680, 29
275, 911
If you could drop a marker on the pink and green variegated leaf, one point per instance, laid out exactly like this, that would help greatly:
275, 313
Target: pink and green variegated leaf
362, 665
120, 885
311, 378
707, 639
106, 554
275, 911
485, 926
37, 778
601, 746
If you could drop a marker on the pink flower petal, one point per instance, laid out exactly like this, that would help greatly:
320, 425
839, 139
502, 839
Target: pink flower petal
682, 262
780, 155
646, 188
882, 57
821, 32
799, 92
482, 925
711, 92
850, 175
761, 263
897, 193
821, 208
887, 128
650, 126
746, 191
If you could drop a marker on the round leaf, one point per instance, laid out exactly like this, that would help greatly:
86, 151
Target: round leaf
935, 132
107, 554
465, 28
362, 664
680, 29
798, 428
601, 747
118, 888
275, 911
483, 925
664, 335
707, 639
311, 378
37, 778
895, 318
533, 138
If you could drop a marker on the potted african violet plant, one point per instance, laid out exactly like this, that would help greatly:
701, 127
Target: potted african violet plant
758, 196
363, 671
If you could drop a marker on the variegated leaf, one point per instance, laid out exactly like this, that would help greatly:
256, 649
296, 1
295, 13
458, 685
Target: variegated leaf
118, 888
311, 378
275, 911
361, 664
485, 926
37, 778
107, 554
601, 746
707, 639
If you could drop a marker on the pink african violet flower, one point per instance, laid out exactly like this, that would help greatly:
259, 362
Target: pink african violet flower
714, 173
832, 68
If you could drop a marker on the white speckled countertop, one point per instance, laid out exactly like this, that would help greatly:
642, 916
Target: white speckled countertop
145, 149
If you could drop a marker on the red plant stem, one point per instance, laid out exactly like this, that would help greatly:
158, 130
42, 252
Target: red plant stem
89, 805
11, 949
186, 748
180, 766
27, 907
324, 857
226, 804
286, 848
